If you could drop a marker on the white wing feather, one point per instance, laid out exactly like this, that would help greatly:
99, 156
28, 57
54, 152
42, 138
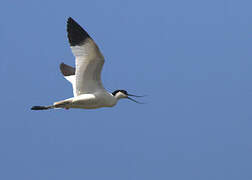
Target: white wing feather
69, 74
72, 80
89, 62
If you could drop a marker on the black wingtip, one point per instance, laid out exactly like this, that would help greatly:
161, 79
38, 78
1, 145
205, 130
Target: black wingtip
39, 108
76, 34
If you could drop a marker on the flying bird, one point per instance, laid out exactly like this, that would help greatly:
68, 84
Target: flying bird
85, 78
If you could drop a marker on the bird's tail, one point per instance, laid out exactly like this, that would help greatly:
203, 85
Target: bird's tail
56, 105
42, 107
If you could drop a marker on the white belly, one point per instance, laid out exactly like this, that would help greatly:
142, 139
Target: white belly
88, 101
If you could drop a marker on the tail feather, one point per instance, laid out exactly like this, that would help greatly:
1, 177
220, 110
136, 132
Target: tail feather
41, 107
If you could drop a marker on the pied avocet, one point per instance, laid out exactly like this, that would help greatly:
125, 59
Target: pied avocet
88, 90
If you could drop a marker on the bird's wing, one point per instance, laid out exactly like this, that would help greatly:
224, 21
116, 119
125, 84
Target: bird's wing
67, 70
88, 59
69, 74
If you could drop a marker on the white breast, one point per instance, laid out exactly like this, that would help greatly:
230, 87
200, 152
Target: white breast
93, 101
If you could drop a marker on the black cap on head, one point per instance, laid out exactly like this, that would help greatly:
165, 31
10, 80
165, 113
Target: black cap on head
122, 91
127, 95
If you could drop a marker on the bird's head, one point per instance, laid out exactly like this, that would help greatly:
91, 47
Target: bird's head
119, 94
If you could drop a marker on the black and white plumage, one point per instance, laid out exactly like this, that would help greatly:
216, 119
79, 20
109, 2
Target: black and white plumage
85, 78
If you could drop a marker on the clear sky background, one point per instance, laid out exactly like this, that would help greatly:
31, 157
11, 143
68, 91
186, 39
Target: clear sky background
192, 58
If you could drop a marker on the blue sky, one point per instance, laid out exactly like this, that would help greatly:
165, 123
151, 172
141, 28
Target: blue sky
192, 58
